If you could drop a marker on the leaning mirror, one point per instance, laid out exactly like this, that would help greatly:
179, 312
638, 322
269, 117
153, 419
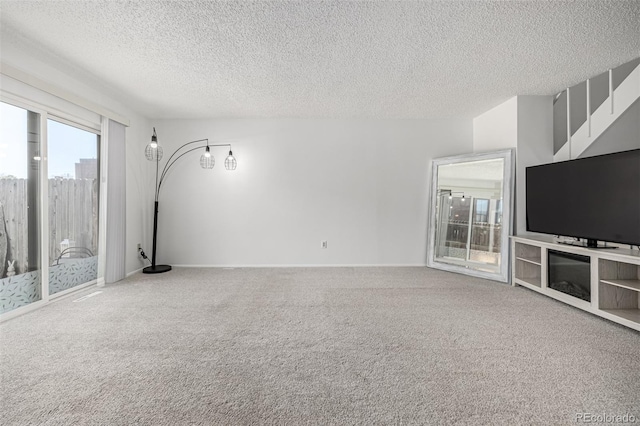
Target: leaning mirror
471, 214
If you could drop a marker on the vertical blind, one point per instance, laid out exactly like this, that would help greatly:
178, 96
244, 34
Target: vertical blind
116, 203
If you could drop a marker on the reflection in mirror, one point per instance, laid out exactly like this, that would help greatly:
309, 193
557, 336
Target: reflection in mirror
468, 213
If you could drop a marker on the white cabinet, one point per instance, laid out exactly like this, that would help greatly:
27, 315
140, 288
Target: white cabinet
619, 289
614, 277
528, 263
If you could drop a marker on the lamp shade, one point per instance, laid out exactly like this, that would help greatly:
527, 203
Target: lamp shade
153, 154
206, 160
230, 162
153, 151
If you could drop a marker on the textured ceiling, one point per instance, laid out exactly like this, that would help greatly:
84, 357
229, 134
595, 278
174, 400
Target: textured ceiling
175, 59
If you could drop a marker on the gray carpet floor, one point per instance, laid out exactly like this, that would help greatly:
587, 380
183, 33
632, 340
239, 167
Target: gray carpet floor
314, 346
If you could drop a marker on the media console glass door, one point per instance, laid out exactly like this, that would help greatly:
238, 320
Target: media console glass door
570, 274
470, 214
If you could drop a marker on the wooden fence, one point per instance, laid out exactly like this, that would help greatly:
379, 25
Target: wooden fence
73, 216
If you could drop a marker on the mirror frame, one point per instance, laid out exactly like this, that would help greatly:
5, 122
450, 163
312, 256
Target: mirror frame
508, 156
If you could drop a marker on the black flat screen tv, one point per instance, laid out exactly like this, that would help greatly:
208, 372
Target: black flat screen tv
594, 198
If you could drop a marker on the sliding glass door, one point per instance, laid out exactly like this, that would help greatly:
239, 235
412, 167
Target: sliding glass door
20, 213
73, 205
49, 193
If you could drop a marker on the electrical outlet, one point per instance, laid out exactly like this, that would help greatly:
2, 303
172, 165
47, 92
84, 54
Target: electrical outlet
324, 244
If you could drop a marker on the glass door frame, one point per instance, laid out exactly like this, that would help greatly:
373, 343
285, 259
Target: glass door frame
46, 113
99, 200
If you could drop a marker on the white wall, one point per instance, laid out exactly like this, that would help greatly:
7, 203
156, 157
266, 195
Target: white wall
524, 123
361, 185
535, 146
532, 119
623, 135
497, 128
39, 63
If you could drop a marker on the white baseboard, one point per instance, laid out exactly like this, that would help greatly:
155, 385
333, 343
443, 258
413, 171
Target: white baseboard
134, 272
341, 265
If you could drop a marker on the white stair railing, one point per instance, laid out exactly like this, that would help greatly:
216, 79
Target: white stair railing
618, 101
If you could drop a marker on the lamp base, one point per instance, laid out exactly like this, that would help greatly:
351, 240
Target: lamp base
158, 269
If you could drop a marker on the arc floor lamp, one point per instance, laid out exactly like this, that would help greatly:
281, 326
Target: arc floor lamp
154, 152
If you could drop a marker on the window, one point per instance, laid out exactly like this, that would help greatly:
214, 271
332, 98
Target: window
64, 168
20, 214
481, 210
73, 206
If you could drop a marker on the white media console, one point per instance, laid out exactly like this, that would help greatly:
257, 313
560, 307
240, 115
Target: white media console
613, 276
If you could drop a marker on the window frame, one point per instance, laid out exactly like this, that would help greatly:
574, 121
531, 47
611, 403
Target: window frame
58, 113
